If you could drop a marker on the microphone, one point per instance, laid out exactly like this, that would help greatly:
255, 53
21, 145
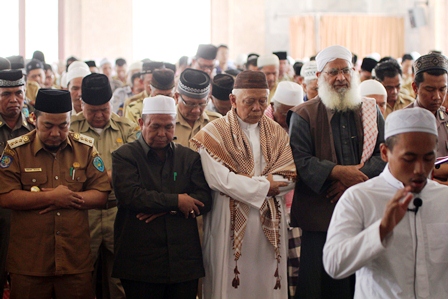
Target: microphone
417, 203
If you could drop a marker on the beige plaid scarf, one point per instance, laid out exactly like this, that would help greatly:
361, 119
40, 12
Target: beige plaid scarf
224, 140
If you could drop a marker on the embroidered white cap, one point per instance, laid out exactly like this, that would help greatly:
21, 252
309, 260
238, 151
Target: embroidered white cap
288, 93
159, 105
309, 70
268, 59
371, 87
410, 120
77, 72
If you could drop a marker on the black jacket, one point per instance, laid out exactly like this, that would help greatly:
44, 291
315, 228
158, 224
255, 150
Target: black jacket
166, 250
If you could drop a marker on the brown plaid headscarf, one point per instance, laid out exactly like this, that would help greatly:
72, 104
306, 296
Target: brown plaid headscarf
224, 140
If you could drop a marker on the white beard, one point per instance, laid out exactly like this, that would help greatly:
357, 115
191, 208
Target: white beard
342, 100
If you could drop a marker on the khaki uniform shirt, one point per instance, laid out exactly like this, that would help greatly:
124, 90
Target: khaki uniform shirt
132, 114
119, 131
22, 127
58, 242
183, 130
32, 88
442, 129
402, 101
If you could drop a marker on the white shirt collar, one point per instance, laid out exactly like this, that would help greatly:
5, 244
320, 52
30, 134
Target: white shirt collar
390, 179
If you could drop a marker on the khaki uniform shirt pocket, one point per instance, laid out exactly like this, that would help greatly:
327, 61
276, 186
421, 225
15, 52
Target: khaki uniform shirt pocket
30, 179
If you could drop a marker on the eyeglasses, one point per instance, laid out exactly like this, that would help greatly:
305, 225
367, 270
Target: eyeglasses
191, 105
250, 102
205, 67
335, 72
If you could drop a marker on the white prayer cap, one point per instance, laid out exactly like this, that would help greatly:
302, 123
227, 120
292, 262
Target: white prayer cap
77, 72
332, 53
104, 61
415, 55
76, 64
135, 66
64, 80
288, 93
370, 87
159, 105
268, 59
241, 59
375, 55
410, 120
309, 70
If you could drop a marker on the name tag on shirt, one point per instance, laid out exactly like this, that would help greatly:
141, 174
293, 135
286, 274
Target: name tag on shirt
33, 169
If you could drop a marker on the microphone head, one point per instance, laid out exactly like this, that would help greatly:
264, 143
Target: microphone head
417, 202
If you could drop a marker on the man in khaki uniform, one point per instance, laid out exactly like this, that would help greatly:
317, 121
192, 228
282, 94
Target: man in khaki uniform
109, 132
162, 83
35, 76
12, 124
389, 74
50, 178
145, 76
192, 97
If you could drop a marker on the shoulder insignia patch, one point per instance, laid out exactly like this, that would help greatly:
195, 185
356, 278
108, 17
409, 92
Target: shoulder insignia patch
21, 140
83, 139
98, 163
5, 161
9, 152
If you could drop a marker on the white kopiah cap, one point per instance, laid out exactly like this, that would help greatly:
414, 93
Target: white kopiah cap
268, 59
77, 72
309, 70
370, 87
288, 93
76, 64
410, 120
332, 53
159, 105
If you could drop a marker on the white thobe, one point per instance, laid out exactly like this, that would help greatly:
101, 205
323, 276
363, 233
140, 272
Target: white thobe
411, 262
257, 263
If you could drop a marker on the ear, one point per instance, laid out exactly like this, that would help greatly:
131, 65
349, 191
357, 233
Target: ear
383, 150
232, 98
33, 118
414, 87
140, 123
176, 97
318, 74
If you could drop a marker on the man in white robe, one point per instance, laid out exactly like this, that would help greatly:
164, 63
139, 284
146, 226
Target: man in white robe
393, 229
249, 166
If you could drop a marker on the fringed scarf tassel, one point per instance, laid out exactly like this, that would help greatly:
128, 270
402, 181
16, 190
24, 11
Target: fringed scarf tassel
236, 279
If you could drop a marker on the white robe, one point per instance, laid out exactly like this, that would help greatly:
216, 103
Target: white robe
413, 258
257, 263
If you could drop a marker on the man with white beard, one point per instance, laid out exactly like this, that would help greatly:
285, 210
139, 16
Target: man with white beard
335, 140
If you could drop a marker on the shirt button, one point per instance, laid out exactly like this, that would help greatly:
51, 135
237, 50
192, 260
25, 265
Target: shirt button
57, 233
343, 127
33, 180
56, 177
59, 214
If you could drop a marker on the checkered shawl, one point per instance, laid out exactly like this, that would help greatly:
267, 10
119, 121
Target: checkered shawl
224, 140
369, 126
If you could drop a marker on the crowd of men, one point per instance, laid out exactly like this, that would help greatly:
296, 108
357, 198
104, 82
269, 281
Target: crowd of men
206, 179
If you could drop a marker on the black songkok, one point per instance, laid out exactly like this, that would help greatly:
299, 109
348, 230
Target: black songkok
96, 89
222, 86
53, 101
11, 78
194, 84
207, 52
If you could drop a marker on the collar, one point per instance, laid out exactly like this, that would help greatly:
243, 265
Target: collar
390, 179
181, 120
246, 126
147, 149
85, 126
37, 145
21, 122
